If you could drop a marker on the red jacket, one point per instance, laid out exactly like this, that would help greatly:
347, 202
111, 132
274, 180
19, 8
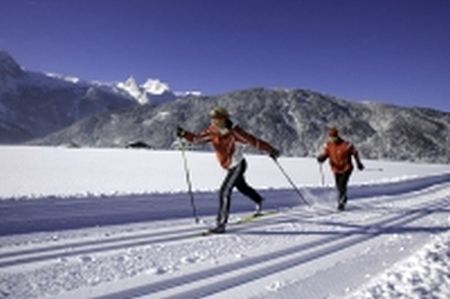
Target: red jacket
340, 155
225, 141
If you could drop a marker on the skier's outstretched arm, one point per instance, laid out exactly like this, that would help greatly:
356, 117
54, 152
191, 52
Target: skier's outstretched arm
203, 137
259, 144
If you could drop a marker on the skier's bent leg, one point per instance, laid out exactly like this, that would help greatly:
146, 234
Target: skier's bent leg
225, 196
245, 188
248, 191
345, 180
340, 187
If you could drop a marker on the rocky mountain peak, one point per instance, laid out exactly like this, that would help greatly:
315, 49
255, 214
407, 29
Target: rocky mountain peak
9, 67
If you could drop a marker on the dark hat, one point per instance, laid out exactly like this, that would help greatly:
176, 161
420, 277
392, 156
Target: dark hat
333, 132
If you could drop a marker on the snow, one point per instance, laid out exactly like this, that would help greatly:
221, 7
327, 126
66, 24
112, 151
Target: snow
49, 81
143, 93
131, 86
58, 171
113, 223
195, 93
419, 276
155, 86
70, 79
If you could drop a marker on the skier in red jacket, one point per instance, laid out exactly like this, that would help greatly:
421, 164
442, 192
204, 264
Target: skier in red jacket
227, 140
340, 153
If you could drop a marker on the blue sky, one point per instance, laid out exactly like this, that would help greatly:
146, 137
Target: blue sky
394, 51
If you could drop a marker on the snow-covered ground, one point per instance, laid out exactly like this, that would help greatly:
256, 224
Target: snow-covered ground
31, 172
83, 223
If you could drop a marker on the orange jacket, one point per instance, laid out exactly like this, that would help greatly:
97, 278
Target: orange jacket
340, 155
224, 142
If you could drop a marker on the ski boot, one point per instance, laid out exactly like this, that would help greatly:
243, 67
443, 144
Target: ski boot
258, 209
220, 229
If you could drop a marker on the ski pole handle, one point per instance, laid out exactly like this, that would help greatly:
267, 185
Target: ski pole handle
188, 179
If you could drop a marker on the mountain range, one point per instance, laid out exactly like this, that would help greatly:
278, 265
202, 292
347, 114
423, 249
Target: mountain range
33, 104
45, 110
294, 121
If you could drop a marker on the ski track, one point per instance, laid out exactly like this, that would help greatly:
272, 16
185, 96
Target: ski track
392, 205
174, 234
294, 257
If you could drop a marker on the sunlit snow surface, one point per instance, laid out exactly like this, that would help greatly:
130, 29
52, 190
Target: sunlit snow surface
82, 223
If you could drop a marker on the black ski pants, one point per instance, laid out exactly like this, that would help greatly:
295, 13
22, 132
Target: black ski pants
234, 178
341, 185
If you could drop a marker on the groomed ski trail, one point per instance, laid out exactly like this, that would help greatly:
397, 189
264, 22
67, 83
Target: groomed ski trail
217, 279
303, 242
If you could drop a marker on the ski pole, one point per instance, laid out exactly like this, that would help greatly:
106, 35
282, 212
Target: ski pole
322, 177
188, 179
373, 169
291, 182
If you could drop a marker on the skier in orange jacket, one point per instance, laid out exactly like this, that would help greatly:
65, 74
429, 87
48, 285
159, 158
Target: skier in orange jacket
227, 140
340, 153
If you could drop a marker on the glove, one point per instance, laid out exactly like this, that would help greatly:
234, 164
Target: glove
321, 159
360, 166
180, 132
274, 154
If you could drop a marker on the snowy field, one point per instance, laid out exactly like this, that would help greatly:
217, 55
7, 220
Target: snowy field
104, 223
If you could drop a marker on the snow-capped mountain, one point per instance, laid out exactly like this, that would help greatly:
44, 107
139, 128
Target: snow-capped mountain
132, 87
294, 121
55, 109
156, 87
33, 104
153, 91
